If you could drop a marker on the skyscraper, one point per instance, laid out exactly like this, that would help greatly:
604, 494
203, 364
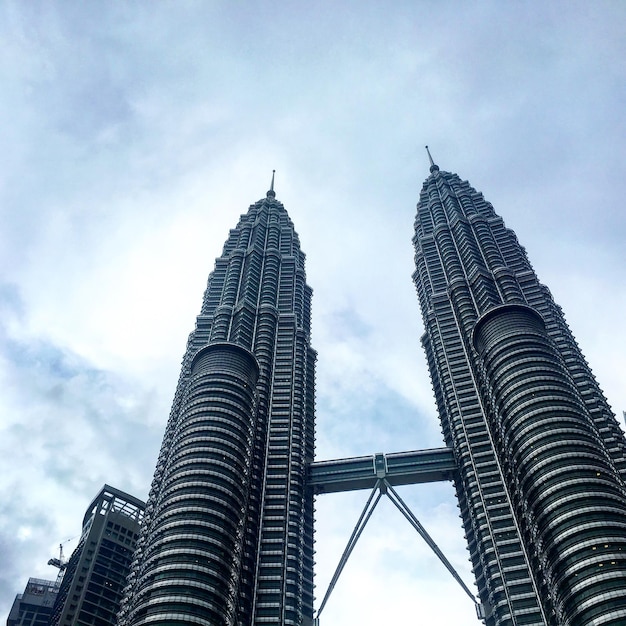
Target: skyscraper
537, 456
228, 531
540, 457
95, 575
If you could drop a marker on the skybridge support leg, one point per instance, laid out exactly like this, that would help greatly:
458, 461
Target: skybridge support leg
384, 488
358, 529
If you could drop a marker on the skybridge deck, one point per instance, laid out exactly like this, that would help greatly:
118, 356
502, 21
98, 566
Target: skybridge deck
399, 468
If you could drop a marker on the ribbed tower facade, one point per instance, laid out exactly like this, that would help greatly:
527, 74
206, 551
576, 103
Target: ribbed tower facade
540, 457
228, 531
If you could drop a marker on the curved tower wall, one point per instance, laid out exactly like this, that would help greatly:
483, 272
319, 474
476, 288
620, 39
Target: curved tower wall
504, 399
256, 298
191, 565
564, 484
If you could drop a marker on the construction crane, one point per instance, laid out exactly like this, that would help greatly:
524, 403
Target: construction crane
61, 562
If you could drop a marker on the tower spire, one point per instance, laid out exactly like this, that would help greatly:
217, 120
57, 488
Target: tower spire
271, 193
433, 167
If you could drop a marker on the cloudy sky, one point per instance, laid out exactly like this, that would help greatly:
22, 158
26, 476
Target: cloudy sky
134, 135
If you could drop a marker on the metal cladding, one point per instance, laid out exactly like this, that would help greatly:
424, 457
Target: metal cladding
567, 488
540, 458
228, 534
197, 525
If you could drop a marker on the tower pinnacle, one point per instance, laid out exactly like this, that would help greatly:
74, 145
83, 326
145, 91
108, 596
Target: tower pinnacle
433, 166
271, 193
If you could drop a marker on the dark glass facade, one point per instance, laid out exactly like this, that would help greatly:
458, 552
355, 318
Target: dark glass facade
228, 532
540, 457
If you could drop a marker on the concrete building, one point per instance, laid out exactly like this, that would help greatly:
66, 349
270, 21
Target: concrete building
34, 606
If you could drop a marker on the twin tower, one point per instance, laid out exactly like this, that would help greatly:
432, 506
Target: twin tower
537, 458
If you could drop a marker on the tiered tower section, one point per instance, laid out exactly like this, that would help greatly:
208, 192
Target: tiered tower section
540, 457
228, 532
